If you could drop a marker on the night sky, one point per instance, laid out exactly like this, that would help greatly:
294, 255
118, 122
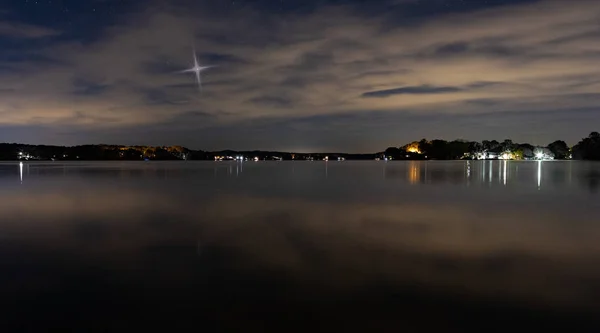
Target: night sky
302, 75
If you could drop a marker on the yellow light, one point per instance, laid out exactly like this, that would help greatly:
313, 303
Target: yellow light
413, 148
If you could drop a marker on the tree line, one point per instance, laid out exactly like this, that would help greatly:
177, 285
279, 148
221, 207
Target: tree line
586, 149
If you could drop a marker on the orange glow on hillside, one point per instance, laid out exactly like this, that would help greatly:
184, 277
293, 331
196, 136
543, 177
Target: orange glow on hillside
413, 148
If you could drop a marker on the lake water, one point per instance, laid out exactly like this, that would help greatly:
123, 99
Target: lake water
300, 246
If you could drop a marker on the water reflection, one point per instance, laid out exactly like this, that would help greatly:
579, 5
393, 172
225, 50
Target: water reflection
492, 173
592, 180
414, 172
469, 173
539, 174
505, 172
274, 238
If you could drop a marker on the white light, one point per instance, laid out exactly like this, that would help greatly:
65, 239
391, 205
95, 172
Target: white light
196, 70
539, 155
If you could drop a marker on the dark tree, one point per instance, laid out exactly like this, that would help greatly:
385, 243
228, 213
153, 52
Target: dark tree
559, 149
494, 145
438, 149
507, 145
424, 146
588, 148
458, 149
475, 147
395, 153
486, 144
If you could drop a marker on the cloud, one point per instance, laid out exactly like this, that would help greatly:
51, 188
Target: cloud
272, 101
20, 30
425, 89
86, 87
526, 57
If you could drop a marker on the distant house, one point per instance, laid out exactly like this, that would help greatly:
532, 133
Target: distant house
542, 153
490, 155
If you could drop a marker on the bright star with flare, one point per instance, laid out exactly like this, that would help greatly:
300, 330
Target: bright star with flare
197, 69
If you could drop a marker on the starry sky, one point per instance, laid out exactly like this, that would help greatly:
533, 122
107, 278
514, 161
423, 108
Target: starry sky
298, 75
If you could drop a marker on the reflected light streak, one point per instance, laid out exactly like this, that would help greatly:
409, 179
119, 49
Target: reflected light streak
504, 175
21, 172
491, 170
468, 169
414, 173
468, 173
483, 171
499, 172
539, 174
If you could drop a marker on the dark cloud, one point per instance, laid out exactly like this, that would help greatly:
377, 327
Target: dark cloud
271, 101
592, 35
162, 67
163, 97
21, 30
86, 87
483, 84
15, 58
419, 90
220, 58
189, 87
194, 116
483, 102
485, 48
80, 115
452, 49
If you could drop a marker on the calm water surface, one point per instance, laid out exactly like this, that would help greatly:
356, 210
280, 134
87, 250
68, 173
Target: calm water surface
300, 246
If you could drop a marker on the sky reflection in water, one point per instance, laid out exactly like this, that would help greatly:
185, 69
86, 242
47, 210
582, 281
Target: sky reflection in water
350, 245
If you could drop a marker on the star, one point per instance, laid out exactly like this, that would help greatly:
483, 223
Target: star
196, 69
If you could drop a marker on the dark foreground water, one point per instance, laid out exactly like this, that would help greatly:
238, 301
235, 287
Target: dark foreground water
300, 247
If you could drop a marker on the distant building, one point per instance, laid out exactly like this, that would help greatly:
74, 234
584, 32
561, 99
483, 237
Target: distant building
490, 155
541, 153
